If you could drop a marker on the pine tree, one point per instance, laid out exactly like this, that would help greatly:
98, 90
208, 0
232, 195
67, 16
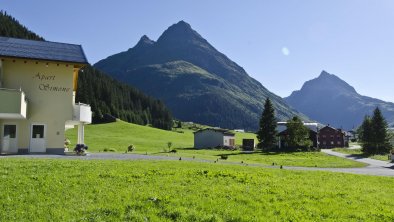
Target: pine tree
379, 128
373, 134
267, 132
297, 134
365, 135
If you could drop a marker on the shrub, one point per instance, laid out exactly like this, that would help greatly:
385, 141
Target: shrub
67, 143
223, 156
80, 149
130, 148
112, 150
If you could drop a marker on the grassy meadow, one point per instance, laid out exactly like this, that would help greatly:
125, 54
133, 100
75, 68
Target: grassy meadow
77, 190
119, 135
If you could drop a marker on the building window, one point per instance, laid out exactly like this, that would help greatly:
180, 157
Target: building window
324, 143
38, 131
339, 143
10, 131
332, 142
324, 136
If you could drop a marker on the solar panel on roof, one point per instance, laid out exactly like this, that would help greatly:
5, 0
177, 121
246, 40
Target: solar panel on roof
54, 51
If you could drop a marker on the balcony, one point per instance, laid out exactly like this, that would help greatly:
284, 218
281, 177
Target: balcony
13, 104
82, 113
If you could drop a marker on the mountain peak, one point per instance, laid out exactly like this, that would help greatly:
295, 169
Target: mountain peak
183, 24
327, 81
144, 41
180, 32
324, 73
329, 99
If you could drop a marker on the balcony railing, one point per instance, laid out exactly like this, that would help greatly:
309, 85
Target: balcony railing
13, 104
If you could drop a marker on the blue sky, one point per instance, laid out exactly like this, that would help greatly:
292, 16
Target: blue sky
280, 43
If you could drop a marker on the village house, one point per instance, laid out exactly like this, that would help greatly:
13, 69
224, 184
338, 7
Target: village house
213, 137
330, 137
38, 83
282, 133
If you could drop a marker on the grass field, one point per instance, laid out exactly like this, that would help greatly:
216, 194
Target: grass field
359, 153
77, 190
120, 135
305, 159
152, 141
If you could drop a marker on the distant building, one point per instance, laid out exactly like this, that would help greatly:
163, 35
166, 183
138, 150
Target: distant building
353, 136
330, 137
213, 137
282, 133
282, 138
248, 144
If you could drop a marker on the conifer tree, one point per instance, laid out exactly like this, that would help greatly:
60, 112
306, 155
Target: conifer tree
297, 134
267, 132
379, 128
365, 135
373, 134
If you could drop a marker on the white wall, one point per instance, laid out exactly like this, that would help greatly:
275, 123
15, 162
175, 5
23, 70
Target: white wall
208, 139
226, 140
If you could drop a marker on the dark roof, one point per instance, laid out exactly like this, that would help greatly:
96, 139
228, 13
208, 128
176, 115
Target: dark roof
224, 131
284, 132
42, 50
333, 129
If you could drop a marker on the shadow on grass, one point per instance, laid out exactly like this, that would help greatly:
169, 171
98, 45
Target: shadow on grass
358, 156
264, 153
189, 148
239, 153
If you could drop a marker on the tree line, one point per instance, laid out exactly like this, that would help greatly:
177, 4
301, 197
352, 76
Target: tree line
107, 96
373, 133
10, 27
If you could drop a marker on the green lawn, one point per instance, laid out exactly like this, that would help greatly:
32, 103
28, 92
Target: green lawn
77, 190
358, 152
120, 135
153, 141
305, 159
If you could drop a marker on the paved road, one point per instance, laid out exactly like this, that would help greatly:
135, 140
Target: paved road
354, 146
375, 167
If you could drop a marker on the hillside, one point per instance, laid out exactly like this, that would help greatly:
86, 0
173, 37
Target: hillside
103, 93
330, 100
147, 140
120, 134
10, 27
196, 81
108, 96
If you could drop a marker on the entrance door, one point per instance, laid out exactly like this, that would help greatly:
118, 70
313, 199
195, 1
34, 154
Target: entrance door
37, 139
9, 141
232, 142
